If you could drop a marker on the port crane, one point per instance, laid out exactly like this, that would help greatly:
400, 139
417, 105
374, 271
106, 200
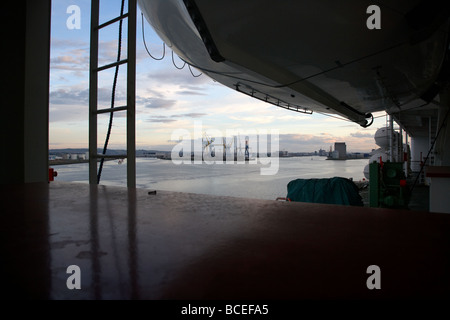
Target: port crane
207, 143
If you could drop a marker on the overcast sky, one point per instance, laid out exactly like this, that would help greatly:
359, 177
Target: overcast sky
167, 98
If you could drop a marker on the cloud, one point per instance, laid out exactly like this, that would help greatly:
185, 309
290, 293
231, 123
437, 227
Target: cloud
107, 51
254, 119
160, 119
72, 95
71, 104
64, 59
158, 103
361, 135
182, 78
58, 43
74, 55
69, 96
190, 115
191, 90
175, 117
68, 114
67, 55
307, 139
190, 93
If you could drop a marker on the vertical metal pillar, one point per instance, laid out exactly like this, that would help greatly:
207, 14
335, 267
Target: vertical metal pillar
374, 185
430, 141
391, 138
400, 147
131, 95
430, 133
93, 85
407, 155
442, 144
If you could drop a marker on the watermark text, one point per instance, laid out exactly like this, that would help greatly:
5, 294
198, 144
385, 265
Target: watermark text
211, 146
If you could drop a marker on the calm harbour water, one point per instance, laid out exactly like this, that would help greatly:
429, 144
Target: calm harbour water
238, 180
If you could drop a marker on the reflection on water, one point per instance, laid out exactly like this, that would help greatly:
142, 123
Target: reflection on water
239, 180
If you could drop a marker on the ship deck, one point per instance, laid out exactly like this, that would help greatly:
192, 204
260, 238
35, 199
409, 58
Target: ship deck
132, 244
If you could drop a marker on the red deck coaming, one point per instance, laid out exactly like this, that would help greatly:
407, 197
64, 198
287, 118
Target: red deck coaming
130, 244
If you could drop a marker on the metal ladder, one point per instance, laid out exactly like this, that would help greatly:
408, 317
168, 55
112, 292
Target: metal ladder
130, 108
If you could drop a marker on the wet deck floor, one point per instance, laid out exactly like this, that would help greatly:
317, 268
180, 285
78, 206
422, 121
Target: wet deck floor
132, 245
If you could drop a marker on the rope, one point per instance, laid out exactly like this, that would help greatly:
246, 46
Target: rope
164, 52
113, 95
190, 69
173, 61
145, 44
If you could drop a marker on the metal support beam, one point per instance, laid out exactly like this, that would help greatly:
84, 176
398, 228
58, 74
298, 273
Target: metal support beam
374, 187
113, 21
400, 147
407, 153
112, 65
391, 138
131, 95
109, 110
430, 133
93, 85
442, 145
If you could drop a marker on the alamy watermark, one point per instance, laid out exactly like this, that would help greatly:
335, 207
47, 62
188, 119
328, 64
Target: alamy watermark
74, 20
374, 280
374, 20
74, 280
212, 146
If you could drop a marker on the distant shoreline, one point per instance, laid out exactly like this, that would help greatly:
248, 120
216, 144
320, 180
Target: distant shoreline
348, 159
61, 162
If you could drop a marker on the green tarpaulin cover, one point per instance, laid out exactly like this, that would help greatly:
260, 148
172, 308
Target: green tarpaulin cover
332, 191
